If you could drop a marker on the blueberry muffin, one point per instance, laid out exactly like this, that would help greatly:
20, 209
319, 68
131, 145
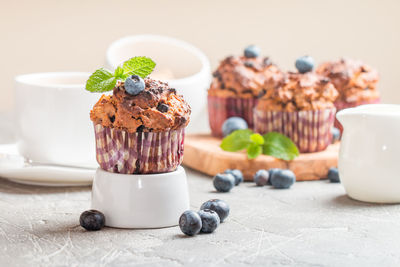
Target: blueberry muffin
355, 81
140, 127
236, 85
300, 107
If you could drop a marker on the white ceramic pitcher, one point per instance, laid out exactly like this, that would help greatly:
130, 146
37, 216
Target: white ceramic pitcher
369, 160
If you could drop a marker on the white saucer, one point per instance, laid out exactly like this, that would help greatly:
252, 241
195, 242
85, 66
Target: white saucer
13, 167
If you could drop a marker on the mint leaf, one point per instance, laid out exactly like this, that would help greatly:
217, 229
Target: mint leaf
101, 81
119, 73
279, 146
257, 138
141, 66
253, 151
238, 140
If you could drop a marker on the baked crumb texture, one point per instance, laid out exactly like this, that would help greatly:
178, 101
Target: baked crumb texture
157, 109
236, 85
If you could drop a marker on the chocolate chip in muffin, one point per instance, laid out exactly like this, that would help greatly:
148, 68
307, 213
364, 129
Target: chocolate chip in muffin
267, 61
162, 107
216, 74
324, 80
262, 92
112, 118
249, 64
140, 129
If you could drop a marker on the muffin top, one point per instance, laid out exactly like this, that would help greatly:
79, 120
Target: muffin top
297, 91
354, 80
244, 77
157, 108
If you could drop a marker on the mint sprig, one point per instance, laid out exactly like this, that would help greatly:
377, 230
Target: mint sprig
103, 80
272, 144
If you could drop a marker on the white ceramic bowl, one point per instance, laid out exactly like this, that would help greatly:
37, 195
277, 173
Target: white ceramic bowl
183, 66
52, 118
140, 200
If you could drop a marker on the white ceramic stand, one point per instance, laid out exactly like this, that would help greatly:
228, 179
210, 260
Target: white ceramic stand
140, 200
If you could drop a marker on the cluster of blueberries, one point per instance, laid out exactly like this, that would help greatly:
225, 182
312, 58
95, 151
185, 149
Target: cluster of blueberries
282, 179
206, 220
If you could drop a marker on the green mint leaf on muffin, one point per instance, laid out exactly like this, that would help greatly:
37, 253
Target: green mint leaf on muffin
273, 144
141, 66
100, 81
119, 73
279, 146
237, 140
253, 151
103, 80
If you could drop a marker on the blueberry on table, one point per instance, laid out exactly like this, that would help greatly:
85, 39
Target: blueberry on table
190, 223
335, 134
333, 175
134, 85
224, 182
252, 51
217, 205
261, 177
305, 64
283, 179
92, 220
237, 174
233, 124
271, 172
209, 219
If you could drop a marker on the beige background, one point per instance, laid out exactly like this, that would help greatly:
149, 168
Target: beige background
73, 35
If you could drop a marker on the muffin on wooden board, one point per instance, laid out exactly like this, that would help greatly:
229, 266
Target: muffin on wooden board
302, 108
236, 85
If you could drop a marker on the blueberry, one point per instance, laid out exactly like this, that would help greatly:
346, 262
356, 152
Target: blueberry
237, 174
224, 182
190, 222
261, 177
283, 179
252, 51
209, 220
92, 220
271, 172
134, 85
219, 206
233, 124
305, 64
333, 175
335, 134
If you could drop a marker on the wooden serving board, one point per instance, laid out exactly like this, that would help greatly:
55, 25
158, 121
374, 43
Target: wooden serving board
202, 153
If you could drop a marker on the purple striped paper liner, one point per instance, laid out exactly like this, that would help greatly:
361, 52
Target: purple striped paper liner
343, 105
309, 130
222, 108
119, 151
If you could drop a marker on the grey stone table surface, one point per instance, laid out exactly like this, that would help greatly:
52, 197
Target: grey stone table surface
311, 224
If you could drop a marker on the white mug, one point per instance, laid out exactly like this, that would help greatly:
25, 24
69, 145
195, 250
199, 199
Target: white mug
369, 152
52, 118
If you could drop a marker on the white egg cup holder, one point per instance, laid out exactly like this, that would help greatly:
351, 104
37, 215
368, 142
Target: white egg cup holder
140, 200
